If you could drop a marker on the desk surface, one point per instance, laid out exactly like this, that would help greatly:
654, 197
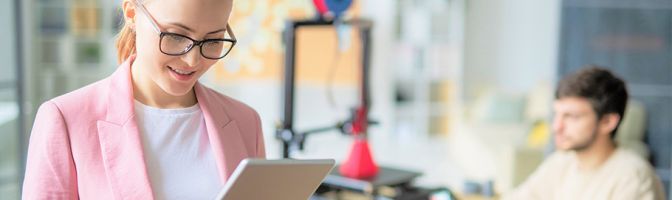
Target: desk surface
387, 176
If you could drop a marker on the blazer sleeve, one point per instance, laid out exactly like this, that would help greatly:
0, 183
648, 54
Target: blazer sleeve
50, 169
261, 149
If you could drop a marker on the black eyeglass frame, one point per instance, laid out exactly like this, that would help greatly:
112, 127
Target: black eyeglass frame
194, 42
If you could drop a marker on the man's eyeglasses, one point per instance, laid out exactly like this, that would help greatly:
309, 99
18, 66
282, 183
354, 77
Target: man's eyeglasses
176, 44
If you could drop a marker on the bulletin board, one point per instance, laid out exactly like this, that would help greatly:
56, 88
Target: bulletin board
258, 55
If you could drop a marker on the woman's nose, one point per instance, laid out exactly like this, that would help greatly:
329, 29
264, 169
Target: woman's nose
193, 57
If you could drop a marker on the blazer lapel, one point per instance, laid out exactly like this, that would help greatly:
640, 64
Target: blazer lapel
120, 140
223, 133
124, 161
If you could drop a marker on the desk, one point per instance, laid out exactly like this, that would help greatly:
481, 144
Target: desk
387, 177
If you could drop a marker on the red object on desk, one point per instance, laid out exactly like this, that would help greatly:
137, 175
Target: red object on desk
359, 164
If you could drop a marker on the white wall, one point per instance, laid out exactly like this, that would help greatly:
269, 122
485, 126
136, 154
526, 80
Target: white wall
510, 45
382, 72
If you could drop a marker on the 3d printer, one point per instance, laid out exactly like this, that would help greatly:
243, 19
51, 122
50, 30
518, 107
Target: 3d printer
359, 172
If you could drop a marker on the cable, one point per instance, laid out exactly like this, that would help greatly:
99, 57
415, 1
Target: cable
341, 30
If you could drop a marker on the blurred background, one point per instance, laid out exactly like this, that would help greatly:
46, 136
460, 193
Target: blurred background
462, 89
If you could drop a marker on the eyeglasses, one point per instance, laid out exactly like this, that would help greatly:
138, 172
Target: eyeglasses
174, 44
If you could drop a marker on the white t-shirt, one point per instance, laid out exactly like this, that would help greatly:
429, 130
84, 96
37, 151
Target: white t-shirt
177, 151
624, 175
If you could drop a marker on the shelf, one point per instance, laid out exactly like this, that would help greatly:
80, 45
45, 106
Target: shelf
88, 53
50, 52
47, 2
86, 20
52, 19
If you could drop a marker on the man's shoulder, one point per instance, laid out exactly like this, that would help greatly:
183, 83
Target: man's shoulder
633, 169
628, 162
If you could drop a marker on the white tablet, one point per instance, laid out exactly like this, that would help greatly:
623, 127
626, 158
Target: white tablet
285, 179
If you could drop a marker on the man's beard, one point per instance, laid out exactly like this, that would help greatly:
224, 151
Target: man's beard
586, 144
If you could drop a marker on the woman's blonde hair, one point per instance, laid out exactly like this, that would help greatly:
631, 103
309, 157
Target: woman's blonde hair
125, 41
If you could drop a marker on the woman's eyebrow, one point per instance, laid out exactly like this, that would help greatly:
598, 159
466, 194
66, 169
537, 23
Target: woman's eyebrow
191, 30
181, 26
217, 31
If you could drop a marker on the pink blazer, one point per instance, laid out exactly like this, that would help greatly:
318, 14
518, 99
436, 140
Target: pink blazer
86, 144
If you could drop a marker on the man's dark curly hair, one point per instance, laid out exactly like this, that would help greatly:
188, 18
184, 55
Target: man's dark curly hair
605, 91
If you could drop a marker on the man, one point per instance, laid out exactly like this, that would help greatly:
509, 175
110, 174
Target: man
588, 164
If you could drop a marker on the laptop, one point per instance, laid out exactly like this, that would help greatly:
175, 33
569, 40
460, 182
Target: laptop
285, 179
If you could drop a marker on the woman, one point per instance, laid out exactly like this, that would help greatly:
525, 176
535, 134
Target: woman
149, 130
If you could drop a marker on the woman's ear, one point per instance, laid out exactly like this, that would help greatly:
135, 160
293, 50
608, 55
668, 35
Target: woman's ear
129, 13
608, 123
